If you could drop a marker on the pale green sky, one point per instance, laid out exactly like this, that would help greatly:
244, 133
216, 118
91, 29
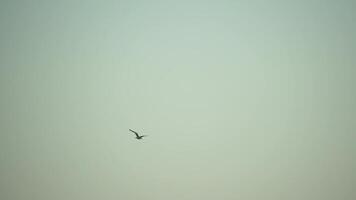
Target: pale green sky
251, 100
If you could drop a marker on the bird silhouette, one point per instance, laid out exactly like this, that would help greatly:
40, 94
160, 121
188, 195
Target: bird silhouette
139, 137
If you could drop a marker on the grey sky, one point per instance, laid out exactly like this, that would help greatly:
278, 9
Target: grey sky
240, 99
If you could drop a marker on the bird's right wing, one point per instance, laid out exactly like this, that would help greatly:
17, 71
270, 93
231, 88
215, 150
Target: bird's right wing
134, 132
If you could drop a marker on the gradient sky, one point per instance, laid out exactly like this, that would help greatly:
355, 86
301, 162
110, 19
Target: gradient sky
251, 100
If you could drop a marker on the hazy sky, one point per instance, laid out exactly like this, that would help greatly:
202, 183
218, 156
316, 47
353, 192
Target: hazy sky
251, 100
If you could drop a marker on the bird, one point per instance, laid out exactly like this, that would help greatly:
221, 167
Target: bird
139, 137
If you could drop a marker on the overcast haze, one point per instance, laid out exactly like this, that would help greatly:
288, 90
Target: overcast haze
250, 100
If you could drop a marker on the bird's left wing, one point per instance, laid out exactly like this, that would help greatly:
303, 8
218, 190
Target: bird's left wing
134, 132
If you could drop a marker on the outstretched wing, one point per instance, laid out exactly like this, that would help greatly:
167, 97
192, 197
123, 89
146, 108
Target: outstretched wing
134, 132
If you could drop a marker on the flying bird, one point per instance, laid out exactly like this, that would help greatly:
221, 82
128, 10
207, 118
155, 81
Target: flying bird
139, 137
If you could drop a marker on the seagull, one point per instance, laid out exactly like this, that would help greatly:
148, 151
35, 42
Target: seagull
139, 137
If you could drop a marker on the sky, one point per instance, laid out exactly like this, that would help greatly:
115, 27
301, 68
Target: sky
241, 100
